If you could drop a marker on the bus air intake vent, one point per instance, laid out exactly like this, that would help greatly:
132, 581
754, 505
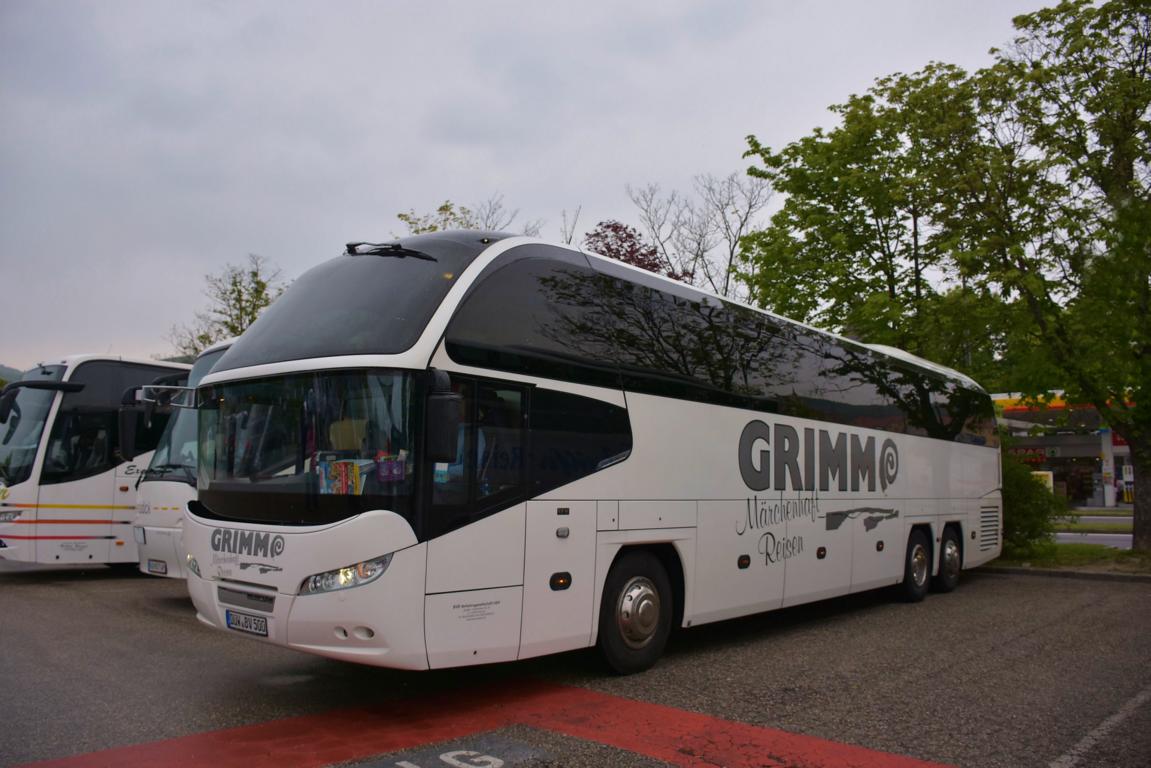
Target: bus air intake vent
247, 600
988, 528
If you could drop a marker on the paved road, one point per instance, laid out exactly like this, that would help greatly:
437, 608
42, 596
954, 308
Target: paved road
1105, 519
1115, 540
1015, 671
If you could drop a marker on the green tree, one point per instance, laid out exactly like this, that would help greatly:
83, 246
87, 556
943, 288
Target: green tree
1005, 214
1068, 108
490, 215
859, 236
236, 296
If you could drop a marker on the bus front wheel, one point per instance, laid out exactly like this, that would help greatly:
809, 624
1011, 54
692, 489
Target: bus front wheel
635, 614
916, 568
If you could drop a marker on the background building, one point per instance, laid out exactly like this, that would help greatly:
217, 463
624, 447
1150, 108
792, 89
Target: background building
1090, 463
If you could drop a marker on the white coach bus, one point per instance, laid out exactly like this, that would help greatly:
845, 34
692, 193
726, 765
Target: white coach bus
169, 483
67, 490
464, 448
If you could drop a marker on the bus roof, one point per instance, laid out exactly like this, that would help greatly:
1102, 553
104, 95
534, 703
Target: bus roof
84, 357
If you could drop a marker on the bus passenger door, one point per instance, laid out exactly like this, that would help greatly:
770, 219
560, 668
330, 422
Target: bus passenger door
76, 487
474, 587
559, 577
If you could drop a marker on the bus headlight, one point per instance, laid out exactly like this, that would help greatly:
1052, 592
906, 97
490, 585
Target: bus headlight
9, 516
347, 577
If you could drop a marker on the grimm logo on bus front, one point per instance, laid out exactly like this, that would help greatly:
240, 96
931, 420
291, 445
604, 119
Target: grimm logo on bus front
809, 461
251, 543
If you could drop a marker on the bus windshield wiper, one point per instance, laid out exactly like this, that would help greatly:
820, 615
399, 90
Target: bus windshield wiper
386, 249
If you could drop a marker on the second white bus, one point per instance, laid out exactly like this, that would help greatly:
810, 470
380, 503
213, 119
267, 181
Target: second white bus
169, 482
465, 448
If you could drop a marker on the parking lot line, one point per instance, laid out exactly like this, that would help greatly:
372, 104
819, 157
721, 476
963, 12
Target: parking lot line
1073, 756
672, 735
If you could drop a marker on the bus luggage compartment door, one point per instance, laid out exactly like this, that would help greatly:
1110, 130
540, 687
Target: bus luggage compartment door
474, 592
559, 576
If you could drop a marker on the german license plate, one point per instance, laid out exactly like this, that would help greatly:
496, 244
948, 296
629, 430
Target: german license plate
158, 566
253, 625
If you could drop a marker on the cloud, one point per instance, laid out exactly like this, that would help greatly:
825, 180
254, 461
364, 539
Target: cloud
146, 144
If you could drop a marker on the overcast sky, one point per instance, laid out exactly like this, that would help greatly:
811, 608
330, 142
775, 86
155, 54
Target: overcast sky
146, 144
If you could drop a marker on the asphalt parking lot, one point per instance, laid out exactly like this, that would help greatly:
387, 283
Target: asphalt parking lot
99, 667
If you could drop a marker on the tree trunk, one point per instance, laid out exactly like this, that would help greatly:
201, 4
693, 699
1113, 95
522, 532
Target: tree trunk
1141, 528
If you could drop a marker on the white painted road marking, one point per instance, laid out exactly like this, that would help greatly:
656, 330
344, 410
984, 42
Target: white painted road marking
1072, 757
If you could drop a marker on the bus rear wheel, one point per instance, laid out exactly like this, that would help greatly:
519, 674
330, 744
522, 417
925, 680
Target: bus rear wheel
950, 561
916, 568
635, 613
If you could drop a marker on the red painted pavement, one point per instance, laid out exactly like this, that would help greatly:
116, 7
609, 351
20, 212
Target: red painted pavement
664, 733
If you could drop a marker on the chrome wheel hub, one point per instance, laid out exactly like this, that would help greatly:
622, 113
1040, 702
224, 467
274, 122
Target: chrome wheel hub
919, 565
950, 564
637, 613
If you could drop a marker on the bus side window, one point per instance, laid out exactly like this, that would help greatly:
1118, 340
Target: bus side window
449, 479
487, 472
499, 444
148, 431
80, 446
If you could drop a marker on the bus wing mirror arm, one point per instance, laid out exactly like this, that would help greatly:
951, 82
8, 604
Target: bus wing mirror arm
129, 416
6, 401
443, 420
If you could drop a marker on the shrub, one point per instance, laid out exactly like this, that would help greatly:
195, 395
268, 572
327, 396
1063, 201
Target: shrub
1029, 510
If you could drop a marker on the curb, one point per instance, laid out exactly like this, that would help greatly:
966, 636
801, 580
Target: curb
1140, 578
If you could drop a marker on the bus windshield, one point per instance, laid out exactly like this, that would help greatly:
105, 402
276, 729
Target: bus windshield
175, 456
307, 449
24, 423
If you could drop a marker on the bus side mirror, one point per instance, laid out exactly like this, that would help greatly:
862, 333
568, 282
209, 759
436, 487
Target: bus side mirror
129, 417
443, 422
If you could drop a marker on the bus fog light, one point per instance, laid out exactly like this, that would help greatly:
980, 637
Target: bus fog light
193, 566
349, 576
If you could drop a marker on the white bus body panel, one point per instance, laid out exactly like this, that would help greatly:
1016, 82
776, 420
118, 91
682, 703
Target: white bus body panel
80, 521
561, 538
475, 591
379, 623
159, 527
684, 451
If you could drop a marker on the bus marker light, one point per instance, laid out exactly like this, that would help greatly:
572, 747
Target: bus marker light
194, 566
879, 546
821, 553
561, 581
744, 561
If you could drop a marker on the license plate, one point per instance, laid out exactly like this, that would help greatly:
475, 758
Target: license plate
253, 625
157, 566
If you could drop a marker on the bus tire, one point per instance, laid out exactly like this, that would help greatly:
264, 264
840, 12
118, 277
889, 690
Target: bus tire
950, 562
635, 613
916, 568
